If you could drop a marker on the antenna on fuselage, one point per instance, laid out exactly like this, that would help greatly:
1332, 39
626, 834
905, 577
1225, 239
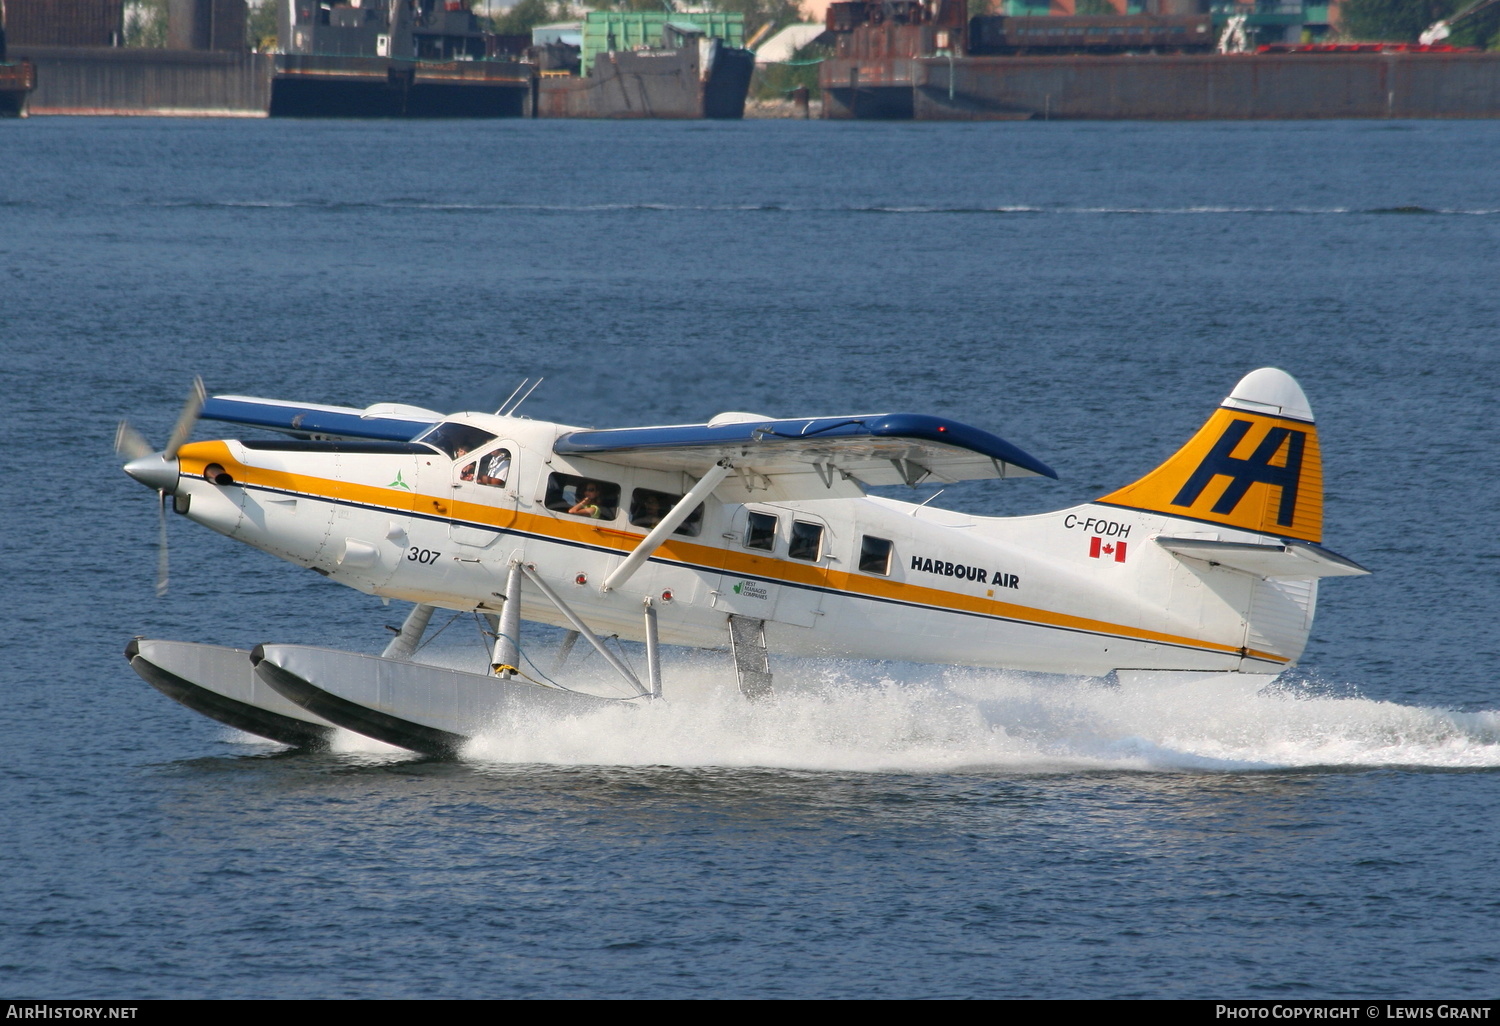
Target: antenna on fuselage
504, 412
500, 412
918, 508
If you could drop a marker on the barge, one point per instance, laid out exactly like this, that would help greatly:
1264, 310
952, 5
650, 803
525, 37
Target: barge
406, 58
647, 65
927, 60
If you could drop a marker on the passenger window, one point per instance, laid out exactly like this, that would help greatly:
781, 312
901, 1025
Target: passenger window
647, 508
760, 533
875, 556
583, 496
807, 541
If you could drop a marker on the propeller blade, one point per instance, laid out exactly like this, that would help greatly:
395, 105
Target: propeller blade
130, 443
186, 419
161, 545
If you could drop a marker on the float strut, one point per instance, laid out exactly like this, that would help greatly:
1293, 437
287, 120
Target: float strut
653, 651
404, 644
583, 629
507, 652
564, 650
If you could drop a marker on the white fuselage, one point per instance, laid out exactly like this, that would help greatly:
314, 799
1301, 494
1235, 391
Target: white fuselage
1083, 590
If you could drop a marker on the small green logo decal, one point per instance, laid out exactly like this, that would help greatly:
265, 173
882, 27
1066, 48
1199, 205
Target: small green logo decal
398, 483
737, 587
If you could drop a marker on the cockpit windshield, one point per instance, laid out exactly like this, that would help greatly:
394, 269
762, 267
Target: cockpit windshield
456, 439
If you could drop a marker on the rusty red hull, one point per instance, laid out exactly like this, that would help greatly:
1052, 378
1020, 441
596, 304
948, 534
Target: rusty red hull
1165, 87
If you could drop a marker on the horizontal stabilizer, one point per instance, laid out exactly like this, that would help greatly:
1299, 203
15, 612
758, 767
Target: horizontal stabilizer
874, 449
1292, 559
391, 422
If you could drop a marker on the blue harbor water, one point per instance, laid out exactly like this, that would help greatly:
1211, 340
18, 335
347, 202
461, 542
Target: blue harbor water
1087, 291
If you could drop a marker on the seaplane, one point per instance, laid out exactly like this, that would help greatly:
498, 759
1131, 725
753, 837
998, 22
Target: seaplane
751, 535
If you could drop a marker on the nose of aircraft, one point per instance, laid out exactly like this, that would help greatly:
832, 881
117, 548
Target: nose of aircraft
155, 472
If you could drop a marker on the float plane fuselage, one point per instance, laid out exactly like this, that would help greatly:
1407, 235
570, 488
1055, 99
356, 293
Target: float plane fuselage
1208, 564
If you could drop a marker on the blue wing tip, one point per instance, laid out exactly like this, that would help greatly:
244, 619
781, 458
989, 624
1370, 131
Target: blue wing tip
949, 432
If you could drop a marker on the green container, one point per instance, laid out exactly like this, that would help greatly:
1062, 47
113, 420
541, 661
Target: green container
637, 29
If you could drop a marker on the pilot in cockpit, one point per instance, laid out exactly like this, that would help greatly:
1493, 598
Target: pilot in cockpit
496, 468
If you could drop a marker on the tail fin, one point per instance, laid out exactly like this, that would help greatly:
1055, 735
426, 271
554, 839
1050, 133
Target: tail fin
1255, 465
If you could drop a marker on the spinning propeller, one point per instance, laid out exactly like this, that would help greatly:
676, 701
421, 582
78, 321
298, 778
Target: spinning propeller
158, 470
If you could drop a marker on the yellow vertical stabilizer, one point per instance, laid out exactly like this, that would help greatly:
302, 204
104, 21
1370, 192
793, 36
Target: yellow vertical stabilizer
1255, 465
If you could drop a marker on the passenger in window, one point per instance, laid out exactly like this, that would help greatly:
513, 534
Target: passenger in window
496, 469
588, 502
467, 474
650, 512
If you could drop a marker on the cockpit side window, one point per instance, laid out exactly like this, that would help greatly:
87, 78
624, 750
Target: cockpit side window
583, 496
493, 468
457, 440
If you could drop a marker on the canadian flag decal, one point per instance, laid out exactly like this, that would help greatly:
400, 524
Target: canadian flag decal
1100, 549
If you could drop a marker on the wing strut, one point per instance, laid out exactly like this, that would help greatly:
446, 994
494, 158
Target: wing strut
669, 523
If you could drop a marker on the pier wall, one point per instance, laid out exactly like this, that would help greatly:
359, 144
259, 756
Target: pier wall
1167, 87
115, 80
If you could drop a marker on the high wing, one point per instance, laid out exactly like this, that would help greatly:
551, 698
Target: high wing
873, 449
391, 422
